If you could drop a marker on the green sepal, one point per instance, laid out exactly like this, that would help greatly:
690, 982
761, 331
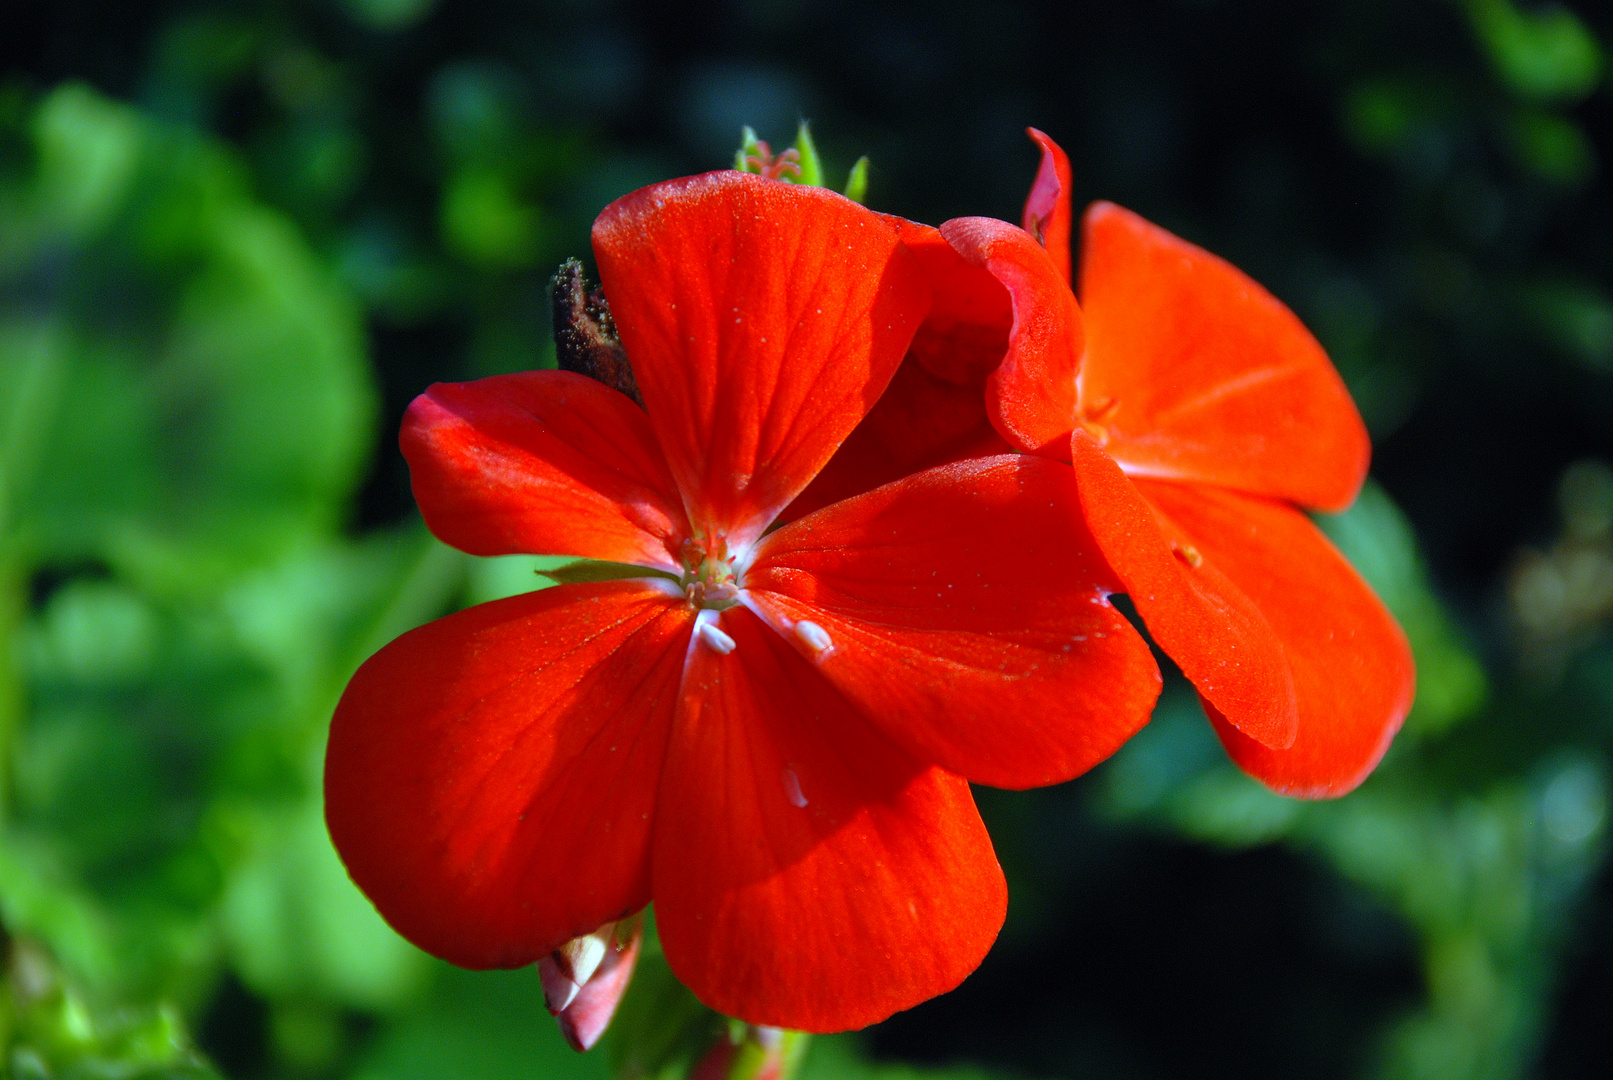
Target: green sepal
811, 163
754, 156
857, 181
585, 570
750, 150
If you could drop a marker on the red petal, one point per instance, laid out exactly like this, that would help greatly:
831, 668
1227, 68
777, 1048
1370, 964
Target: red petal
963, 338
1198, 373
1352, 667
546, 463
934, 411
762, 319
1197, 614
808, 874
1047, 208
968, 614
921, 421
491, 776
1031, 396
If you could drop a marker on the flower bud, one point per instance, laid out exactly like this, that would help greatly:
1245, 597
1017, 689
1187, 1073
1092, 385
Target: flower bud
584, 979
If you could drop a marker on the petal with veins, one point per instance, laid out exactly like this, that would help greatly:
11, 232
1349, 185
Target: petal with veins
1204, 376
922, 421
1352, 669
491, 777
968, 612
763, 320
542, 463
1198, 615
808, 874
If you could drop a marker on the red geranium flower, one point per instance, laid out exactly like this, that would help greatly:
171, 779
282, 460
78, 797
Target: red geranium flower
1200, 416
768, 734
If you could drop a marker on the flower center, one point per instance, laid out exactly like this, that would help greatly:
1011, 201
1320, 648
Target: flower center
708, 574
1094, 419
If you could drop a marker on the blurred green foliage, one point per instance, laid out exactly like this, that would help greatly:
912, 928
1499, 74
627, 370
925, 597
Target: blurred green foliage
1545, 53
220, 284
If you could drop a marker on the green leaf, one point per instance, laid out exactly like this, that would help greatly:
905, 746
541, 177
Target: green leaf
296, 927
88, 150
486, 222
198, 398
1577, 317
490, 1025
1552, 147
55, 1032
318, 614
171, 764
1545, 54
389, 15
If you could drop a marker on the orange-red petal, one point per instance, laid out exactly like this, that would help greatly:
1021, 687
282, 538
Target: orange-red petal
920, 422
763, 320
808, 874
963, 338
1031, 396
1048, 214
491, 777
543, 462
1199, 374
1352, 668
934, 410
1195, 611
965, 611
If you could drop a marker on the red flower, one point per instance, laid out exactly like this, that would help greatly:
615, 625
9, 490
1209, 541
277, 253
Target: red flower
765, 733
1200, 416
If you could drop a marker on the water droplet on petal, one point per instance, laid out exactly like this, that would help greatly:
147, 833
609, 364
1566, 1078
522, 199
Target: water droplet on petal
792, 789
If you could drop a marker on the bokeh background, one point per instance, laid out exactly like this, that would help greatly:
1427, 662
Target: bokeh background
236, 238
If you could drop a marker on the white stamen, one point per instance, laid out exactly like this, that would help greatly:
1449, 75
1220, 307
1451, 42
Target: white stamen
792, 789
713, 638
814, 636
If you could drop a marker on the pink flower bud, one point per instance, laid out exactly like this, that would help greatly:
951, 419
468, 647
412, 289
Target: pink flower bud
584, 979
